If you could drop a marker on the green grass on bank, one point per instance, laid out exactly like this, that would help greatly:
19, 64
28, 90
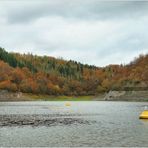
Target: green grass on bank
58, 98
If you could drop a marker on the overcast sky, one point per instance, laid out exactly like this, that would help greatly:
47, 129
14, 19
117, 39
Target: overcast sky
89, 31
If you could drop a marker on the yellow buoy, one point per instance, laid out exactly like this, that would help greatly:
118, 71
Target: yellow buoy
67, 104
144, 115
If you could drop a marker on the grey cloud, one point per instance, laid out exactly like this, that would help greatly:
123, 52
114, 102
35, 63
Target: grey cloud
20, 12
89, 31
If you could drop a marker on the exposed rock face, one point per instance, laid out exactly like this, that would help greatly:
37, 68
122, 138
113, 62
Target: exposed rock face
127, 96
114, 95
10, 96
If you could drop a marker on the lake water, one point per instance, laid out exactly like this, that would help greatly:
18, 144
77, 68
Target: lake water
95, 123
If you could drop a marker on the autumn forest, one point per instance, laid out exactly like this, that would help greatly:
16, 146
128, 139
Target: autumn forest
30, 73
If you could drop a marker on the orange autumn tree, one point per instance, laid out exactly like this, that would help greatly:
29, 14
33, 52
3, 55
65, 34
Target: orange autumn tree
48, 75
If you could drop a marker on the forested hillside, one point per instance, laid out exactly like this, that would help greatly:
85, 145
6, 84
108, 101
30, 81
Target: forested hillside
47, 75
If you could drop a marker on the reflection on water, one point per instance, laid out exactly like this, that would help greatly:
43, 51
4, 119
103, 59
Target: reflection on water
81, 124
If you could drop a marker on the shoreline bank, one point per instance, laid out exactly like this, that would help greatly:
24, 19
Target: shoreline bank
139, 96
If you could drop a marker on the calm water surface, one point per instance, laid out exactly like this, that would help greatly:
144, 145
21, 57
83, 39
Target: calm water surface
81, 124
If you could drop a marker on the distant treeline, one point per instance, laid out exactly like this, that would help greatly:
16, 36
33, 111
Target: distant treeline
47, 75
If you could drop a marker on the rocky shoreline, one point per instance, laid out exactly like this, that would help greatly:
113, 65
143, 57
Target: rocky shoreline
126, 96
12, 96
110, 96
